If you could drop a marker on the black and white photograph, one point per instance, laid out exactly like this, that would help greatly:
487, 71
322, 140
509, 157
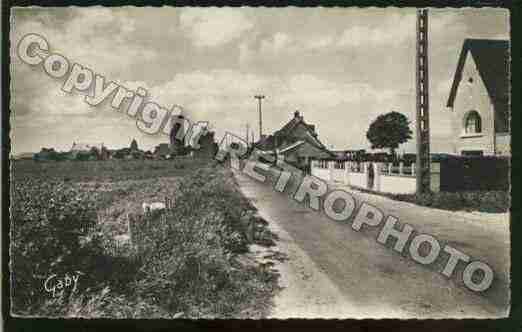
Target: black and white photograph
259, 163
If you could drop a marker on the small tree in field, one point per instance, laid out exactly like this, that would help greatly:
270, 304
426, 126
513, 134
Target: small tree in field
134, 144
389, 131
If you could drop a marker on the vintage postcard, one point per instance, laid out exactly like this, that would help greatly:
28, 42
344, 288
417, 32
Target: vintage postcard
185, 162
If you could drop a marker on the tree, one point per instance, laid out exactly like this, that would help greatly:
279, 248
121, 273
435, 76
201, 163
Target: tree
134, 145
389, 131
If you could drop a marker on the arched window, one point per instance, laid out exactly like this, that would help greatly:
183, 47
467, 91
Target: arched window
472, 123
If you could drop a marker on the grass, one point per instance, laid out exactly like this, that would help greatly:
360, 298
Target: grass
105, 171
482, 201
187, 265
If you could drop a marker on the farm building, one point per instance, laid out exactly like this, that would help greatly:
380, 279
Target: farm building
84, 151
162, 151
24, 156
45, 154
479, 99
132, 152
296, 143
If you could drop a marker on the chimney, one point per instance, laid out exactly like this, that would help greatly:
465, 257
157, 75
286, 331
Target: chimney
297, 115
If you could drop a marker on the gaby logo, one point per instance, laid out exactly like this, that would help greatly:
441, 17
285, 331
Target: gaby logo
55, 284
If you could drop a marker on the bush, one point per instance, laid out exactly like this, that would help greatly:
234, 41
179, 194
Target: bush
487, 201
187, 263
484, 201
54, 231
48, 223
188, 259
448, 201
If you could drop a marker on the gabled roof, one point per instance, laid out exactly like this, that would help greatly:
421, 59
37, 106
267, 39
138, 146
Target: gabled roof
265, 143
287, 134
311, 138
296, 120
310, 134
283, 149
291, 146
492, 60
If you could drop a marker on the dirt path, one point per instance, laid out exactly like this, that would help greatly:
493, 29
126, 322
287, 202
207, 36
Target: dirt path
336, 272
307, 292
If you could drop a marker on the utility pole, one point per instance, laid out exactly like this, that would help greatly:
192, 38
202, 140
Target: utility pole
422, 94
259, 98
246, 136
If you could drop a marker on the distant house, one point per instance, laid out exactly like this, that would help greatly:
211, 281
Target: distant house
296, 142
346, 154
85, 147
85, 151
162, 151
479, 99
130, 153
24, 156
148, 155
123, 153
46, 154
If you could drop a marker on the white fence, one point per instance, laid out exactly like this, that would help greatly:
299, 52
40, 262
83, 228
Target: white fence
397, 178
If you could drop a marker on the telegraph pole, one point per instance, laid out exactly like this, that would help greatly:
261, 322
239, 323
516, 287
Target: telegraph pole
246, 137
259, 98
422, 94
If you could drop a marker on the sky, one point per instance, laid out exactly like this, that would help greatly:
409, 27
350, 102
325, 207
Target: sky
340, 67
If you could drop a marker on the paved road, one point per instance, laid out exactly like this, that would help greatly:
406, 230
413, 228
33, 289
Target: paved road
333, 271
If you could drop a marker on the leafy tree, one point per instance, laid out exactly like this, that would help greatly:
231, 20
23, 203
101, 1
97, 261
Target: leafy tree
389, 131
134, 145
